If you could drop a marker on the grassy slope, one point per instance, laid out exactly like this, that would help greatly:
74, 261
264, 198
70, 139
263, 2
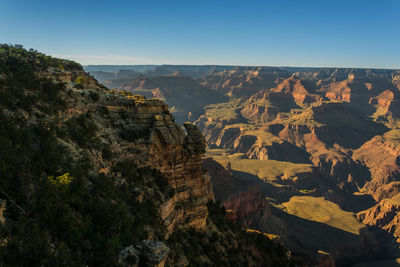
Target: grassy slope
224, 111
264, 169
320, 210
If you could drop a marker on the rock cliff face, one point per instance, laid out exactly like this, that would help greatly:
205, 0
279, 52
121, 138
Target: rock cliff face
178, 157
243, 81
245, 202
385, 215
380, 155
132, 129
159, 143
387, 102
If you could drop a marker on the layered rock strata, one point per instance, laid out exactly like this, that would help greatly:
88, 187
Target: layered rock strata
244, 201
144, 132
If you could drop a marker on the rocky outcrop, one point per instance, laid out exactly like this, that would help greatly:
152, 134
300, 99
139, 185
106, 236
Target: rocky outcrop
148, 253
296, 89
339, 91
249, 206
385, 215
257, 112
386, 191
164, 146
241, 198
143, 131
380, 155
384, 100
129, 256
154, 252
279, 150
243, 81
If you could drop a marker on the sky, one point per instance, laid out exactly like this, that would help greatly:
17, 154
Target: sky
308, 33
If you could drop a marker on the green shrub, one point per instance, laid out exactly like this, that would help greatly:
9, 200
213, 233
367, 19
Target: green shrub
80, 80
60, 212
83, 131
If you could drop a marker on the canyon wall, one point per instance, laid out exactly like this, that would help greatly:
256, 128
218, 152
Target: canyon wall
243, 200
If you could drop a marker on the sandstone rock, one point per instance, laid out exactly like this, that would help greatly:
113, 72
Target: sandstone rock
143, 131
195, 139
385, 214
244, 200
386, 191
380, 156
243, 81
261, 113
164, 146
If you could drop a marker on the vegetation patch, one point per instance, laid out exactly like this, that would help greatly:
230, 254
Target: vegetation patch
229, 111
264, 169
321, 210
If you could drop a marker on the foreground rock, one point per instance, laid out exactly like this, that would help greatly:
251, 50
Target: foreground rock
149, 253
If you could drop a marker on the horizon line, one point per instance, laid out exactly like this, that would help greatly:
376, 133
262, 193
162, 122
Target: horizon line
233, 65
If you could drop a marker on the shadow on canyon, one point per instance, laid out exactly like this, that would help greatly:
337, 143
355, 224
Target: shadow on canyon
302, 235
346, 247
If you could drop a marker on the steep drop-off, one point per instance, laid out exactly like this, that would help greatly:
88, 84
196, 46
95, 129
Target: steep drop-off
326, 133
95, 177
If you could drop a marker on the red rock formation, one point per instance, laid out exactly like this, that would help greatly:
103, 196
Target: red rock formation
250, 206
387, 101
296, 89
245, 201
244, 81
386, 191
381, 157
385, 214
339, 91
256, 112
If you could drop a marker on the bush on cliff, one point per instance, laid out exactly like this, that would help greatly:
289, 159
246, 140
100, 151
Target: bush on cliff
86, 220
59, 210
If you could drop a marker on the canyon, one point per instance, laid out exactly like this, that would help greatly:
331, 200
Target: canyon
306, 154
99, 177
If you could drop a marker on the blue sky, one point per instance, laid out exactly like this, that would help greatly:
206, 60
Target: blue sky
336, 33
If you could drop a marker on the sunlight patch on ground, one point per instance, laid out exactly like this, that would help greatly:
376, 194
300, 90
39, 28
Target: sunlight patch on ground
264, 169
321, 210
